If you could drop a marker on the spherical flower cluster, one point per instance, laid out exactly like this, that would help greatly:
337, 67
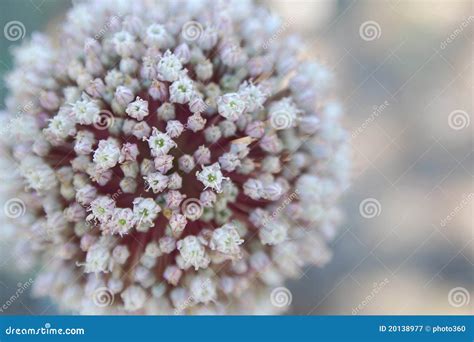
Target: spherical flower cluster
181, 171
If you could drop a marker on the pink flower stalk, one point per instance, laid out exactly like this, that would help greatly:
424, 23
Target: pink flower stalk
176, 157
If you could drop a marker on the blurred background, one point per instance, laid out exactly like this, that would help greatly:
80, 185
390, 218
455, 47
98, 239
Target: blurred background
405, 75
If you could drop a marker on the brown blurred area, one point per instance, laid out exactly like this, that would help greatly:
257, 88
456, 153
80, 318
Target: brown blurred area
399, 87
402, 82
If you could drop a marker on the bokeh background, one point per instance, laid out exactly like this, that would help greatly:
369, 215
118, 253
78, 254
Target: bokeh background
405, 74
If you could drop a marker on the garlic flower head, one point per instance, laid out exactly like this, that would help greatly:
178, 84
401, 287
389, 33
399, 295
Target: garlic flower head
174, 157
